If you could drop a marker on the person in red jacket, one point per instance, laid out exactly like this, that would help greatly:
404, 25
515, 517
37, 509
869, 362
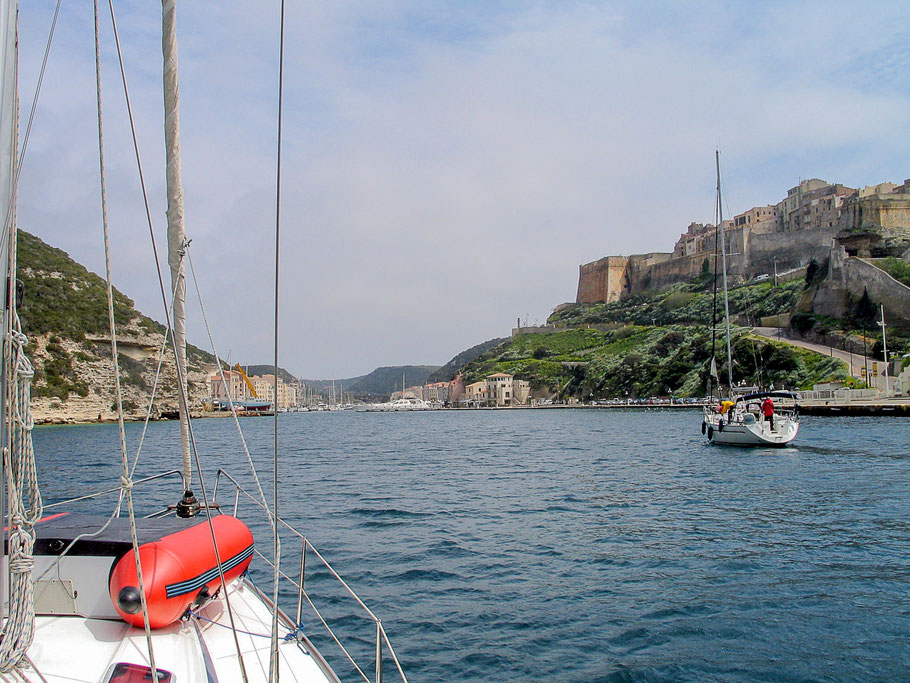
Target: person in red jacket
767, 409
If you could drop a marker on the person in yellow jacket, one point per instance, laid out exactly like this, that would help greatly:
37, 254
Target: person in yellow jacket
724, 409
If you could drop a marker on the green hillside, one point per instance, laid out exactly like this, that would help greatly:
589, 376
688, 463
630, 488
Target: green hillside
658, 344
449, 370
381, 382
65, 299
688, 304
64, 314
638, 361
385, 380
283, 374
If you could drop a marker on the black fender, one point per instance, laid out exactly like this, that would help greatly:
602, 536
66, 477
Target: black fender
710, 433
703, 427
720, 426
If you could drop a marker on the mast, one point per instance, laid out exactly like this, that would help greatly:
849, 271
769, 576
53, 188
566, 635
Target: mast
723, 254
176, 234
9, 109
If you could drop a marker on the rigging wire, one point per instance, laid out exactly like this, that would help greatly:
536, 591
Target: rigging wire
125, 481
712, 369
180, 376
8, 222
273, 659
208, 329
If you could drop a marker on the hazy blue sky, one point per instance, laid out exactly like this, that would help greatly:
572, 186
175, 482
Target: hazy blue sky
447, 165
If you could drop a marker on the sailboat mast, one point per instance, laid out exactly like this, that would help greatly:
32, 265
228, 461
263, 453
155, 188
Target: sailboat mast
9, 125
176, 234
723, 255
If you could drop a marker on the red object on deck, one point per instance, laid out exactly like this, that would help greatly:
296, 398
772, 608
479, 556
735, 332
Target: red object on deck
178, 568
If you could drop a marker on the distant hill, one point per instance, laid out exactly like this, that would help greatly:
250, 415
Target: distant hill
447, 372
283, 374
381, 382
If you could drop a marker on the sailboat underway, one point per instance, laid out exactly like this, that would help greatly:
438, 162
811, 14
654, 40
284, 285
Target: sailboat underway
752, 419
167, 597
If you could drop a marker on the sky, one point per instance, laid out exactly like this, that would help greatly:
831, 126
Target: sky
446, 166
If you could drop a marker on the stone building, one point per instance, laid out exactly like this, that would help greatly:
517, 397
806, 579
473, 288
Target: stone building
504, 390
760, 219
476, 392
265, 388
813, 203
236, 386
499, 389
883, 210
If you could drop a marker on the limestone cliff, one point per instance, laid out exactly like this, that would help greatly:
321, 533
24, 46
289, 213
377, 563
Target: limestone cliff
64, 314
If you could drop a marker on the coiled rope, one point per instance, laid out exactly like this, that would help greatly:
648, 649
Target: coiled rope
25, 510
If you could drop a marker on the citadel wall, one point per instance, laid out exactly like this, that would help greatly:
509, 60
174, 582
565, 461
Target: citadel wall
602, 280
780, 237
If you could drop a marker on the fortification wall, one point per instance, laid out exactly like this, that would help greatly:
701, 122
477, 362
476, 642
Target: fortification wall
790, 250
854, 276
602, 280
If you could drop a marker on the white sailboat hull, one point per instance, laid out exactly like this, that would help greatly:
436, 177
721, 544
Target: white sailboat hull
756, 433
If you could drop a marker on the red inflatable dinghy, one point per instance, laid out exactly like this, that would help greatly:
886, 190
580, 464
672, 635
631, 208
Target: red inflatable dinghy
178, 568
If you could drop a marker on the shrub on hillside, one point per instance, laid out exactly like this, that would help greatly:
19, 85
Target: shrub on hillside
896, 268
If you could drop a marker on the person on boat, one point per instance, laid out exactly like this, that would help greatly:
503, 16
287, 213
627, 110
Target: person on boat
724, 409
767, 409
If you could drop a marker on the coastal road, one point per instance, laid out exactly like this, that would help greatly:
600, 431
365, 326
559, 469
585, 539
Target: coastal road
853, 360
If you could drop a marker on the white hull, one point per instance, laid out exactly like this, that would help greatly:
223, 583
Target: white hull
756, 433
399, 405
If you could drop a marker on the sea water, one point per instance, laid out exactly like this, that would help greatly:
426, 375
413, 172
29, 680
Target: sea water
567, 545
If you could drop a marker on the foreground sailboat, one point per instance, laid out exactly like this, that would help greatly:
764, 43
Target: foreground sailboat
743, 424
752, 419
166, 597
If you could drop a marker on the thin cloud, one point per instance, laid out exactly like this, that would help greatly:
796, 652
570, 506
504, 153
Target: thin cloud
448, 166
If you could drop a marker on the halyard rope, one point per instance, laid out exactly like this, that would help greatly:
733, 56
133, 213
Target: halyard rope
24, 511
227, 388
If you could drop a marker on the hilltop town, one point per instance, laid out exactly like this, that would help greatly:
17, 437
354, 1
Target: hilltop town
817, 221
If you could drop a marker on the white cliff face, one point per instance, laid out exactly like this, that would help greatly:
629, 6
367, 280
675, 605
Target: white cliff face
85, 368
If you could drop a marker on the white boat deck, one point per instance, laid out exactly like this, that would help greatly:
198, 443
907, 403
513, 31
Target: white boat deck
76, 649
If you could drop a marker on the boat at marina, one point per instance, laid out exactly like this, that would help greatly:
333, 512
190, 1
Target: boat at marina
741, 420
142, 592
245, 404
406, 403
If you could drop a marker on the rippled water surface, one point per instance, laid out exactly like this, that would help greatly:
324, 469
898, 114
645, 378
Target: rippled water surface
576, 545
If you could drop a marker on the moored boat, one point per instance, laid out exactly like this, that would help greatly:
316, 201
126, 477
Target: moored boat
407, 403
744, 424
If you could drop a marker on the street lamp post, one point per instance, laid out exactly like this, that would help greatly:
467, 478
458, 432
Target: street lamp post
865, 359
885, 351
